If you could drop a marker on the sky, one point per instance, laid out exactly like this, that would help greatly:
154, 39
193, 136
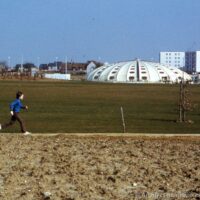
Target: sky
42, 31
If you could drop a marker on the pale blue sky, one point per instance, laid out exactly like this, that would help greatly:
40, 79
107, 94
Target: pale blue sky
106, 30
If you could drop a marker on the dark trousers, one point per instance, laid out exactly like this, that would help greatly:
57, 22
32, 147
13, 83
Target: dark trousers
13, 119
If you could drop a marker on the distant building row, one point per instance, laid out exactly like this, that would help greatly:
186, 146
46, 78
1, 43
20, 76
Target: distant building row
69, 67
189, 61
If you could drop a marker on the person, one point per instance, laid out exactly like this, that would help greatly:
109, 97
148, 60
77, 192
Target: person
15, 108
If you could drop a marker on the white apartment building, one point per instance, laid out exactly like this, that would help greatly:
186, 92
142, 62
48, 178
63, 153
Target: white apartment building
175, 59
189, 60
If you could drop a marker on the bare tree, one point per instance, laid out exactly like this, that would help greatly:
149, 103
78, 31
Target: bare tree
185, 104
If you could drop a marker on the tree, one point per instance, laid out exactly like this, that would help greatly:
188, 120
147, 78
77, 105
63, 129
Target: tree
3, 66
185, 104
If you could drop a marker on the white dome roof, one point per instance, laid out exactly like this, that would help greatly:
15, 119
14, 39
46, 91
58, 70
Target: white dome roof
137, 71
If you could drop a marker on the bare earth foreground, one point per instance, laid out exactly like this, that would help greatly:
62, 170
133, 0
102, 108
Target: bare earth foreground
64, 167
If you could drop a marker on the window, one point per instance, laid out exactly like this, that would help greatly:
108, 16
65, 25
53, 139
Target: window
111, 77
131, 78
144, 78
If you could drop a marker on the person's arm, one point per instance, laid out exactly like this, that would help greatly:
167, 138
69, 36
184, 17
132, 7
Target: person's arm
23, 107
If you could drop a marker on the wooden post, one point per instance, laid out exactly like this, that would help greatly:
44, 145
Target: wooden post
123, 121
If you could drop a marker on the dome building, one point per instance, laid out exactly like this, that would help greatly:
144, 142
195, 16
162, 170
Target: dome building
137, 71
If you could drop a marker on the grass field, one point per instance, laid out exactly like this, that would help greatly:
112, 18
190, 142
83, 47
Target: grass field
82, 107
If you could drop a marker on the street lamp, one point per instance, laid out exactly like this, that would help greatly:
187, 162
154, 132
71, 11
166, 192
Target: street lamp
66, 65
9, 61
38, 59
56, 63
22, 63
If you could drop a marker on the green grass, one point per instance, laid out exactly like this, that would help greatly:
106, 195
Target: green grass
83, 107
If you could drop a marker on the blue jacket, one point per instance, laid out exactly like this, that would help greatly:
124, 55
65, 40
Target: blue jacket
16, 106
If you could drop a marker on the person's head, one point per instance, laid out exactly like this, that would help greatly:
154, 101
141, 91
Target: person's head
19, 95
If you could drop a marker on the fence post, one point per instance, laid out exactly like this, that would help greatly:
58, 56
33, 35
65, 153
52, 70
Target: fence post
123, 121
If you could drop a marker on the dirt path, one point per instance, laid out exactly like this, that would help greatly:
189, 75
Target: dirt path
76, 167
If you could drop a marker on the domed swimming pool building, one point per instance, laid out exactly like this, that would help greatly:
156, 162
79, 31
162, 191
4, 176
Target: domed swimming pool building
137, 71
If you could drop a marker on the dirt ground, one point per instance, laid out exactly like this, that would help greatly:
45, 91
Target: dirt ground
63, 167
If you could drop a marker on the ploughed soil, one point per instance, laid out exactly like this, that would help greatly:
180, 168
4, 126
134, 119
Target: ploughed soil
64, 167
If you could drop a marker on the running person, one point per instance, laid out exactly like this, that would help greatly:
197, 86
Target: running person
15, 108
